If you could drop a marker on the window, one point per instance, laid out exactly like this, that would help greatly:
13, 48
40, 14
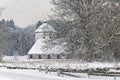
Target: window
50, 37
31, 56
68, 56
39, 56
43, 37
58, 56
49, 57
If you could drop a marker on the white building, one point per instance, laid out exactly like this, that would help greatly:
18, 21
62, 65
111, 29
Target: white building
42, 49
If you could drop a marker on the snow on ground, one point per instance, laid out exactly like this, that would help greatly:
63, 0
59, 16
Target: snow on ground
100, 65
16, 74
7, 74
4, 78
14, 58
10, 74
74, 64
65, 64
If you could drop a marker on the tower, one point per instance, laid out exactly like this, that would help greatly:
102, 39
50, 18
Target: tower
45, 32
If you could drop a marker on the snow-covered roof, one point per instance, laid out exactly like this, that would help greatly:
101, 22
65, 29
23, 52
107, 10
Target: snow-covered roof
45, 27
40, 48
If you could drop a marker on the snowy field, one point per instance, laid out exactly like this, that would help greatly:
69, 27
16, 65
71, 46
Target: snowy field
65, 64
28, 74
16, 74
23, 61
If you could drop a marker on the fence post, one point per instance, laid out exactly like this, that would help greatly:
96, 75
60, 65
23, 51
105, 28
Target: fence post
59, 72
89, 71
114, 78
40, 69
46, 70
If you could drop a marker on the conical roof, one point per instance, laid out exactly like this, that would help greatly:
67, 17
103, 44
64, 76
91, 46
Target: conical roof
40, 48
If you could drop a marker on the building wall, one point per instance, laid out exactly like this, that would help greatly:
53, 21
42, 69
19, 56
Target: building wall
44, 56
48, 56
32, 56
45, 35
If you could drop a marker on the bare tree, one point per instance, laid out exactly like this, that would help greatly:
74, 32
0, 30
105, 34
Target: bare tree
92, 23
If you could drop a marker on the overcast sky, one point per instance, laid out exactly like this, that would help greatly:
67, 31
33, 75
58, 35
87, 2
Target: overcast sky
25, 12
